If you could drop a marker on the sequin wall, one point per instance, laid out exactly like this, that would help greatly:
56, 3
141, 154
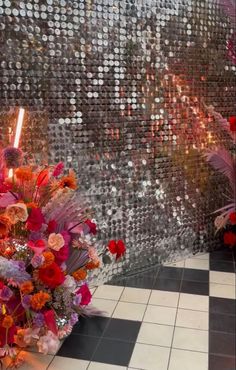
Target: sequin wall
123, 85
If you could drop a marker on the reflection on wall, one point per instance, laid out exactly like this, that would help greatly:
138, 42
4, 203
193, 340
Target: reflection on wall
124, 84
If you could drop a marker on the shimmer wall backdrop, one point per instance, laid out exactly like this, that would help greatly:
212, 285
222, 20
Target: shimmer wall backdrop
117, 89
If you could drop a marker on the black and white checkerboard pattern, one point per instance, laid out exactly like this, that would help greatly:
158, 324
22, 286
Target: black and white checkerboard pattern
176, 317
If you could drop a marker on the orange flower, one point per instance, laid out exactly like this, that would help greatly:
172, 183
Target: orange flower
24, 173
7, 322
32, 205
79, 274
5, 226
68, 181
48, 258
26, 287
38, 300
92, 265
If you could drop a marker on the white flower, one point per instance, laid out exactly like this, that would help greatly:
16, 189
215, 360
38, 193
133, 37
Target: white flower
70, 283
17, 212
55, 241
48, 343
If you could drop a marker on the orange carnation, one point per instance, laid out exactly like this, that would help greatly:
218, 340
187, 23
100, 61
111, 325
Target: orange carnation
24, 173
38, 300
48, 258
92, 265
7, 322
5, 226
68, 181
26, 287
79, 274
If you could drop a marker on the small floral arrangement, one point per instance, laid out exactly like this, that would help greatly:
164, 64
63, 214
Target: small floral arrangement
224, 161
47, 253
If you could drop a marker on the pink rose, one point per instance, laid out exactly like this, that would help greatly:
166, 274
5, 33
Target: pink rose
86, 295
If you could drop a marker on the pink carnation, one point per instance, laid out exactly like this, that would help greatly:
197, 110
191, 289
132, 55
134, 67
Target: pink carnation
86, 295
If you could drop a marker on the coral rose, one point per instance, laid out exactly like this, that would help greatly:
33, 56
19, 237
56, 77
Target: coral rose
51, 275
17, 212
55, 241
5, 225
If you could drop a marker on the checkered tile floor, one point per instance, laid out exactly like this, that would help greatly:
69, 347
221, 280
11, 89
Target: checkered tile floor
177, 317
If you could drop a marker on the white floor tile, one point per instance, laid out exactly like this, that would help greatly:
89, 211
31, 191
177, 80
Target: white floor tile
64, 363
192, 319
162, 298
222, 291
202, 256
196, 263
36, 361
188, 360
105, 305
100, 366
108, 292
135, 295
129, 311
222, 277
160, 315
190, 339
155, 334
149, 357
194, 302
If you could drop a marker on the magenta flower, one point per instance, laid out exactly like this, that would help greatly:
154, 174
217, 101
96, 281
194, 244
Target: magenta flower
86, 295
58, 169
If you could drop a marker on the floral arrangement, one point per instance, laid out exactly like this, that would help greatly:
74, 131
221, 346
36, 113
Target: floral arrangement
224, 161
47, 253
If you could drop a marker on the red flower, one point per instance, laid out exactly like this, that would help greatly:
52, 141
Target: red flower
52, 224
232, 218
35, 220
229, 238
117, 247
51, 275
232, 122
86, 295
92, 226
62, 255
7, 335
43, 177
50, 321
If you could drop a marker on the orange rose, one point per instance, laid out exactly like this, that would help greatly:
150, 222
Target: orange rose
26, 287
17, 212
7, 322
79, 274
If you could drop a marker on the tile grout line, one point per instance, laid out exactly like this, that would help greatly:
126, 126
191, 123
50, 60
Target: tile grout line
172, 341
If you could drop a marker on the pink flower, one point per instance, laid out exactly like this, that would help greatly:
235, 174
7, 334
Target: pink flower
62, 255
50, 320
86, 295
38, 246
48, 343
58, 169
35, 220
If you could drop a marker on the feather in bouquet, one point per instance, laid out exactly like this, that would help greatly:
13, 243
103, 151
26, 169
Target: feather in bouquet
225, 162
46, 254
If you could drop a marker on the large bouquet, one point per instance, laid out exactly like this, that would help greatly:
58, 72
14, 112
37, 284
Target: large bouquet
46, 254
224, 161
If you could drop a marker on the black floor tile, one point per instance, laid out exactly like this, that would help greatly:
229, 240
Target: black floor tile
172, 285
195, 287
196, 275
222, 343
166, 272
93, 326
222, 305
114, 352
125, 330
221, 363
224, 266
223, 255
78, 346
222, 323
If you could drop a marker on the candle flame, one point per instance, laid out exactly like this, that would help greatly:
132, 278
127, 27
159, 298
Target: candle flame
19, 125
